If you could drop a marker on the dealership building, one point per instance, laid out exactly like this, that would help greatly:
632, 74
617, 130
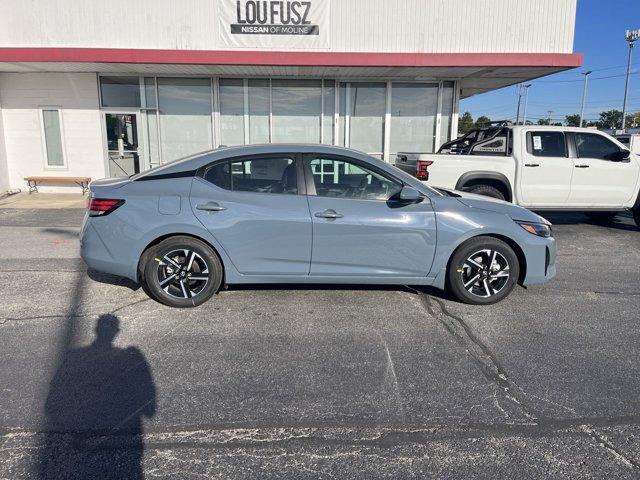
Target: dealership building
101, 89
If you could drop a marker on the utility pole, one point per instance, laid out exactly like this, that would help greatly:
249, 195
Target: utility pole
631, 36
584, 96
549, 113
526, 101
519, 100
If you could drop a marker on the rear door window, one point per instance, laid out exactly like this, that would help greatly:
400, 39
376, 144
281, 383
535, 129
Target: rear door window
546, 144
260, 175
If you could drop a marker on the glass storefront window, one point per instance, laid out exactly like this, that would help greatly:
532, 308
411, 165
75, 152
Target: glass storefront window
447, 112
297, 109
231, 111
363, 107
258, 111
120, 92
329, 108
185, 116
414, 107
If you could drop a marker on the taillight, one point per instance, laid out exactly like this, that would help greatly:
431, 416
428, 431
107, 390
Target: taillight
99, 207
422, 169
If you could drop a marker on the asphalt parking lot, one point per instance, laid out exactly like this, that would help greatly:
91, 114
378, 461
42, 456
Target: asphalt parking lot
98, 381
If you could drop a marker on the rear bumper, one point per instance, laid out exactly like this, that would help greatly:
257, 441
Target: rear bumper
96, 255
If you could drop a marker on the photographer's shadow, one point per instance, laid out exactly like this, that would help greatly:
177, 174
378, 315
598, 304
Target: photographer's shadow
94, 410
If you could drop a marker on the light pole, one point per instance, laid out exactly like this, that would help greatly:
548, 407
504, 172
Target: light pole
526, 101
584, 96
631, 36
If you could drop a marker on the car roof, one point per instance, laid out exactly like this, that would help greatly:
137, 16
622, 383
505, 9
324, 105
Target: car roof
193, 162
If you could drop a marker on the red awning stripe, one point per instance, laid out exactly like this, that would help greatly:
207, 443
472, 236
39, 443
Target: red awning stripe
305, 59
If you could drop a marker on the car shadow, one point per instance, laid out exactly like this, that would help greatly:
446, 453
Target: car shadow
94, 410
112, 280
413, 289
623, 221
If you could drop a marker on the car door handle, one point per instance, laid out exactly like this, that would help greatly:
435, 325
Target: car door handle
211, 207
330, 214
582, 166
531, 164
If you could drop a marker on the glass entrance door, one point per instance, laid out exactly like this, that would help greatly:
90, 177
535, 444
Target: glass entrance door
122, 144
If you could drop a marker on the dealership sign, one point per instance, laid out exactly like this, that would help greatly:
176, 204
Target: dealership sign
286, 24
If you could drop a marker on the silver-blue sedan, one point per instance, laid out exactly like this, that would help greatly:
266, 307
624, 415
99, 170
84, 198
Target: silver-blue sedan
306, 214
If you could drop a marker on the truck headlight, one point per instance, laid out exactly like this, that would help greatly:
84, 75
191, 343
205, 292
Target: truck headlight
539, 229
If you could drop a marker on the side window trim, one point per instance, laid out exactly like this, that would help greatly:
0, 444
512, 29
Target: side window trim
301, 184
310, 184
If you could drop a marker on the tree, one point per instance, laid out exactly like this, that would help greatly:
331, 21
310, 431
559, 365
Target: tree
544, 121
633, 120
465, 123
610, 119
573, 120
483, 122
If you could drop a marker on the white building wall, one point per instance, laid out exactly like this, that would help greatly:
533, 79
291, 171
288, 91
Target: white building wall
434, 26
23, 94
4, 172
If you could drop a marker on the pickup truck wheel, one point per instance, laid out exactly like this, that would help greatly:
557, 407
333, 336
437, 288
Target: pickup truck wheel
485, 190
636, 216
483, 271
601, 217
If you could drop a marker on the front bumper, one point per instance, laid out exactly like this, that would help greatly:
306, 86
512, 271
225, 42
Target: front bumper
540, 255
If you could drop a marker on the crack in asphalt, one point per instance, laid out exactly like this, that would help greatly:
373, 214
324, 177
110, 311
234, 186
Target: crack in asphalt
72, 315
493, 370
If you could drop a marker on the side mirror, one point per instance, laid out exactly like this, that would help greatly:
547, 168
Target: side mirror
625, 154
410, 195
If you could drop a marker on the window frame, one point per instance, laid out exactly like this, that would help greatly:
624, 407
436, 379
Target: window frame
43, 137
307, 158
529, 143
301, 184
576, 154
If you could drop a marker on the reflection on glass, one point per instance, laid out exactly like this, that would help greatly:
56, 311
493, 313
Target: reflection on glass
120, 92
297, 107
231, 111
414, 107
150, 93
258, 111
447, 113
185, 116
365, 104
53, 137
329, 104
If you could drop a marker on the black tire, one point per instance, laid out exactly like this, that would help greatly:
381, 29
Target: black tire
181, 272
490, 279
636, 216
601, 217
486, 190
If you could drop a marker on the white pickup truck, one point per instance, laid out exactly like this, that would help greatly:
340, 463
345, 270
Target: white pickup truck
537, 167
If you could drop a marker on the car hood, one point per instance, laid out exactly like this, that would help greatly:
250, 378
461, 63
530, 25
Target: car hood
498, 206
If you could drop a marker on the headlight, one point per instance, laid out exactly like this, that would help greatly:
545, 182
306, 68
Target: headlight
539, 229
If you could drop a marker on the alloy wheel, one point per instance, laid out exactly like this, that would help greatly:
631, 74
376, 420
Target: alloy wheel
485, 273
182, 273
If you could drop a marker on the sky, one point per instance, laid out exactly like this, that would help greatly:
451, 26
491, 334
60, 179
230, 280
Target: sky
599, 36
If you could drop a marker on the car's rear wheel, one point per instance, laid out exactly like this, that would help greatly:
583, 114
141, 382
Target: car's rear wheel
486, 191
181, 272
483, 271
636, 216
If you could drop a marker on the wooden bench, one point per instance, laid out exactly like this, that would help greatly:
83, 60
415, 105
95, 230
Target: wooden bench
82, 182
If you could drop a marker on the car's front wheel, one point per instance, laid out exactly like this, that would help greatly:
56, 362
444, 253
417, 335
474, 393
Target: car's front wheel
181, 272
483, 271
